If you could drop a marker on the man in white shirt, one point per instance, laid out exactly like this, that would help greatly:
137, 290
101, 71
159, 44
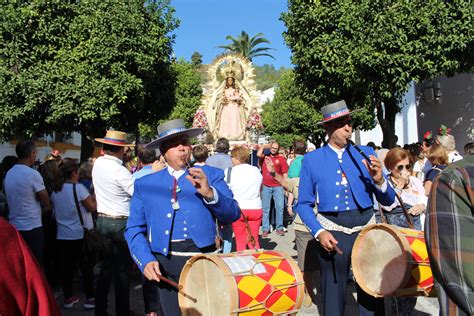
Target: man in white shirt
113, 185
26, 196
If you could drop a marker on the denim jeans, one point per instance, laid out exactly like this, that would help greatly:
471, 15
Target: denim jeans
278, 195
226, 234
116, 266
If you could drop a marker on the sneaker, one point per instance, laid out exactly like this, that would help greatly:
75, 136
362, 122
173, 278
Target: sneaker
90, 303
265, 234
280, 232
70, 302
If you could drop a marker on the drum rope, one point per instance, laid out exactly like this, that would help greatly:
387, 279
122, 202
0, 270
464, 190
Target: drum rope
262, 304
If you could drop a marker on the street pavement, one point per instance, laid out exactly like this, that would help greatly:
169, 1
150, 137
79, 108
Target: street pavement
425, 306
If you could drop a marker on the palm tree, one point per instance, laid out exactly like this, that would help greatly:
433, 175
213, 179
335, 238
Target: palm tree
247, 46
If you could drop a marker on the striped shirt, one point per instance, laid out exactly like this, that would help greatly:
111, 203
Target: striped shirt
450, 239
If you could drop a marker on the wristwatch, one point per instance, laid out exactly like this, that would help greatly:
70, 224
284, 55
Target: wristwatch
273, 173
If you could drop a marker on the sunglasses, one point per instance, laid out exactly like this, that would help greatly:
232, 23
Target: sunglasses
401, 167
343, 122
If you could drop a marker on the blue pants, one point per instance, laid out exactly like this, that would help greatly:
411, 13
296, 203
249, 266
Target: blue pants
335, 268
278, 195
226, 234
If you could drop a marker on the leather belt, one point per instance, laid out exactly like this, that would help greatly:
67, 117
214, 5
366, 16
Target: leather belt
112, 217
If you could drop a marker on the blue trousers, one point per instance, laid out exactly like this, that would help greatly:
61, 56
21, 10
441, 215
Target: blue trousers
278, 195
335, 268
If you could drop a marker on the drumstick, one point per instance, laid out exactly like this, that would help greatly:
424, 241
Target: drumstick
338, 250
172, 283
177, 286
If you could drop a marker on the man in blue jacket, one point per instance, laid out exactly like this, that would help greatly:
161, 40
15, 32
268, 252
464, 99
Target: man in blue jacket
173, 212
341, 181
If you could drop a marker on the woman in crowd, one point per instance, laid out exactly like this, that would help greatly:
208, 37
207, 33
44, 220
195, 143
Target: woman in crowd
439, 160
409, 189
411, 194
53, 179
70, 232
449, 144
245, 182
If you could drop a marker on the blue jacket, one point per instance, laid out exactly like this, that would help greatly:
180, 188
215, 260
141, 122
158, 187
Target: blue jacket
151, 214
320, 181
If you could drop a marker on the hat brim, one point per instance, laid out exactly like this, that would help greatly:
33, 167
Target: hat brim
192, 132
104, 141
336, 118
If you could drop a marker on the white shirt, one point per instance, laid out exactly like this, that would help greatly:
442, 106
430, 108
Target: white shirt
65, 212
245, 183
113, 186
21, 185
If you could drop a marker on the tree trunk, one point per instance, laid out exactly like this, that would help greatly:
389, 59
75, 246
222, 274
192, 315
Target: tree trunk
87, 144
88, 133
387, 121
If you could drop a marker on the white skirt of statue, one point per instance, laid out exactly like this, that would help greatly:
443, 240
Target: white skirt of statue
230, 116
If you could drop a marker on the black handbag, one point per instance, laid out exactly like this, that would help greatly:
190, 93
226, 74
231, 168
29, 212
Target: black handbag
93, 244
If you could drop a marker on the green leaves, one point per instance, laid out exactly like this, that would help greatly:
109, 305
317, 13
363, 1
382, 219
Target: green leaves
247, 47
72, 66
288, 118
367, 52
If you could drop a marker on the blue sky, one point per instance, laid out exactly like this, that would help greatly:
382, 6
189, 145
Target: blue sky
206, 23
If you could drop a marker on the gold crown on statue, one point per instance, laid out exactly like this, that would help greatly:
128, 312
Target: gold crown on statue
229, 72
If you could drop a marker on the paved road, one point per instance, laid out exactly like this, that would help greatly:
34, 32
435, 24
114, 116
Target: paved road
424, 306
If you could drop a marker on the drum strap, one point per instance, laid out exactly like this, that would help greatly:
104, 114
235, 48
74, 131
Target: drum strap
330, 225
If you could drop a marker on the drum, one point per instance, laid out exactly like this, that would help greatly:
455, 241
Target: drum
263, 282
392, 261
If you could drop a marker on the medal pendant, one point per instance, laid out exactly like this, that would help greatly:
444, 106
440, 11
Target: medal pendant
175, 206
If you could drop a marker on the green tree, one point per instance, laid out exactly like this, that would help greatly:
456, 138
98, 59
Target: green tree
188, 92
187, 98
267, 76
84, 66
368, 52
196, 59
288, 118
247, 46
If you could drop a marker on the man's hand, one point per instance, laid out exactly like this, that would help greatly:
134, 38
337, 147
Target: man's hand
327, 241
158, 165
198, 179
152, 271
375, 169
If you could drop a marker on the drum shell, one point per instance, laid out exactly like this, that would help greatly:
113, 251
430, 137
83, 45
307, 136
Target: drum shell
407, 273
237, 294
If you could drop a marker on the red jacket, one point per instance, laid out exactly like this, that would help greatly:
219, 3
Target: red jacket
23, 286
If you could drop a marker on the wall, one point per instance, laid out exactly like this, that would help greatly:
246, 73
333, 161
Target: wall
447, 101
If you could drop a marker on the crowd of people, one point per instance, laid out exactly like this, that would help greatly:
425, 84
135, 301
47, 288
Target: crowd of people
176, 200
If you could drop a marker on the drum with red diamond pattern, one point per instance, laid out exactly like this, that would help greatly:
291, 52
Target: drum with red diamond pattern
389, 260
263, 282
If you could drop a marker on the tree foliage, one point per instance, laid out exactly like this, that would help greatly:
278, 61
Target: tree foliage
267, 76
288, 118
196, 59
367, 52
84, 65
187, 97
247, 46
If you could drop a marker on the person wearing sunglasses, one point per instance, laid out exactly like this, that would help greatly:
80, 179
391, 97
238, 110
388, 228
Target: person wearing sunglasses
412, 194
409, 188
